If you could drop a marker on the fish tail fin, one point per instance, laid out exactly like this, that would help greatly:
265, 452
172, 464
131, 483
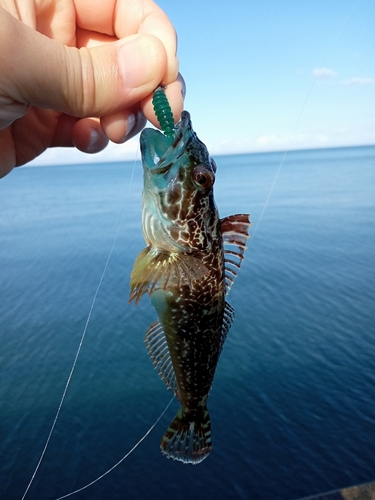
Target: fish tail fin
188, 440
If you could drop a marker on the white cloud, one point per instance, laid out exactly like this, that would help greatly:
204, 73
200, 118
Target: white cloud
323, 73
358, 81
326, 75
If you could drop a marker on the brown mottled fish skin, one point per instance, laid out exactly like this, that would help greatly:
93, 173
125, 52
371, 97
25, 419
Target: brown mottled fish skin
193, 327
183, 269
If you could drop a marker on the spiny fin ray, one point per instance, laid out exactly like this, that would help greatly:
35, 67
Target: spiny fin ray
234, 230
154, 270
227, 323
158, 351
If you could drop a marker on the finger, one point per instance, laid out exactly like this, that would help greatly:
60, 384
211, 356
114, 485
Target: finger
85, 134
123, 125
88, 136
175, 93
156, 23
86, 82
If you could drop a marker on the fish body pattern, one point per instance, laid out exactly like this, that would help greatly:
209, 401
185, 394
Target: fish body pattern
187, 270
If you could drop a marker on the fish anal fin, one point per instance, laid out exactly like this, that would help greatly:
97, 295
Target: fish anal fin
235, 232
158, 351
188, 440
154, 269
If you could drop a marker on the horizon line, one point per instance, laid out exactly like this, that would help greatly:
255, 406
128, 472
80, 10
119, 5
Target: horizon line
86, 160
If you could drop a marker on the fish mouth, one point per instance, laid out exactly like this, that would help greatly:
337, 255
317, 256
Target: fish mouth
160, 152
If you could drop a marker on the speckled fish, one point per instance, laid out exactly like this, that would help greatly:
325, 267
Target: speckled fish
187, 272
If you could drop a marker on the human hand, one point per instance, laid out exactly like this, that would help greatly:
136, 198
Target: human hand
80, 72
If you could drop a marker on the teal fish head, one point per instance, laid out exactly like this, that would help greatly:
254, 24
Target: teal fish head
179, 213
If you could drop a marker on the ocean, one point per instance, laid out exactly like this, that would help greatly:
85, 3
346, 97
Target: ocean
292, 406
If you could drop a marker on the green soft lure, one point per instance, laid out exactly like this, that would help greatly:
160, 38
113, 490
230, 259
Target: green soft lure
163, 111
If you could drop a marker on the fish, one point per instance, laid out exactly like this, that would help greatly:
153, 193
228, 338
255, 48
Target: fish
188, 266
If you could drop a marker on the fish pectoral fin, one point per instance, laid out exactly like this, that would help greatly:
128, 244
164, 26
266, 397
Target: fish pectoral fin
187, 440
154, 269
143, 274
158, 351
234, 230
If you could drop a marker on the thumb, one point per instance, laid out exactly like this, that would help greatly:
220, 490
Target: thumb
39, 71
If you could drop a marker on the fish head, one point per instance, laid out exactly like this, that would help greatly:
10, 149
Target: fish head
179, 212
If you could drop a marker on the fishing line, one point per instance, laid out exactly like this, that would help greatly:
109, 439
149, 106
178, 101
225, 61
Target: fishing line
82, 336
312, 86
286, 151
282, 161
123, 458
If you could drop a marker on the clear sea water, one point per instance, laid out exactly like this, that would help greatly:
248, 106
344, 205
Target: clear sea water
292, 406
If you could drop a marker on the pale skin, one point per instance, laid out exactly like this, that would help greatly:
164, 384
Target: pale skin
77, 73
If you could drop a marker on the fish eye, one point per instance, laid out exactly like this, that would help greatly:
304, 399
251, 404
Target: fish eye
203, 177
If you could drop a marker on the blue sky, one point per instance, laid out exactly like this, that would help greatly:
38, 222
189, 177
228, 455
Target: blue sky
270, 75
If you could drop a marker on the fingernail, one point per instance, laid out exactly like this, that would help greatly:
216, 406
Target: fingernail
180, 79
131, 123
93, 141
97, 141
129, 127
136, 62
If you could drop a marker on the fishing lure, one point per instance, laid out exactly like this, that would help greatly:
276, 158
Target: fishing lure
163, 111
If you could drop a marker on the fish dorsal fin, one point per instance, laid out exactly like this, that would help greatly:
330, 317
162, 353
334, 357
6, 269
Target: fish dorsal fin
157, 348
227, 323
154, 269
234, 230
